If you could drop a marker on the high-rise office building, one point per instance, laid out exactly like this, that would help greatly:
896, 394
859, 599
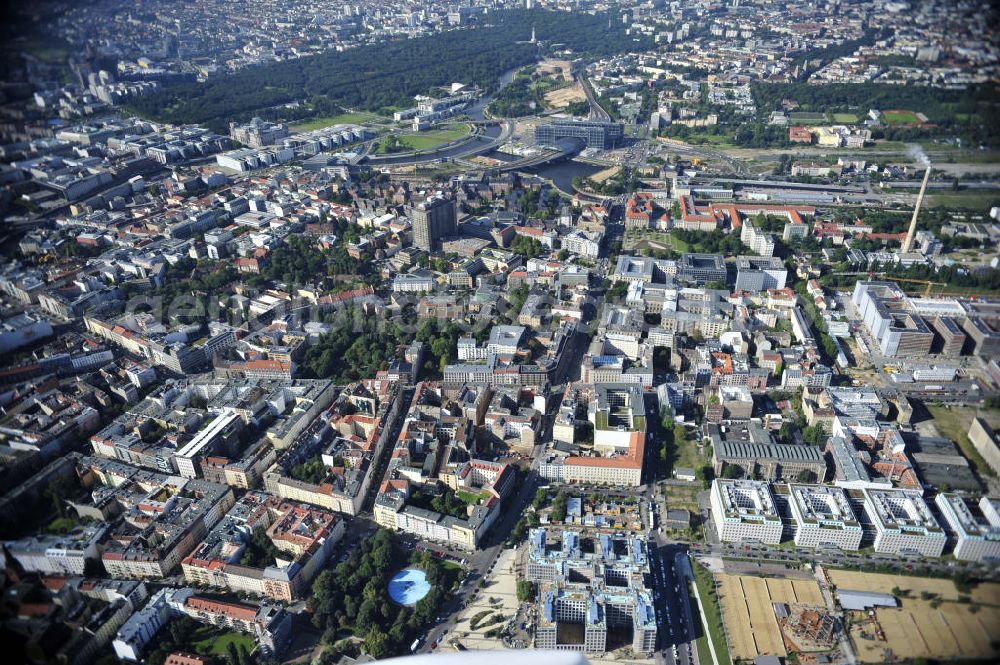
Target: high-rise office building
432, 219
604, 135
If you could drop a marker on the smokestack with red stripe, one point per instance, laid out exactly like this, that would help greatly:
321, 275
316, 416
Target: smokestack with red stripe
911, 235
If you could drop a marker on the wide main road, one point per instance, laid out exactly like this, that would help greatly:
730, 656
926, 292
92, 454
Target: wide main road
674, 619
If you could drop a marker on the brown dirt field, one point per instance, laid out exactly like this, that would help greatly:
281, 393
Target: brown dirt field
946, 632
914, 629
563, 97
781, 591
610, 172
762, 622
556, 67
808, 592
985, 594
737, 618
749, 616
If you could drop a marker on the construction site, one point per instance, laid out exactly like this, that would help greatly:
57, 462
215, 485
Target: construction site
931, 619
806, 628
771, 617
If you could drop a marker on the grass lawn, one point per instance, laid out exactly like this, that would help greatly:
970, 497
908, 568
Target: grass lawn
706, 589
961, 290
61, 525
678, 244
719, 140
427, 140
981, 199
845, 117
953, 423
217, 645
328, 120
978, 157
469, 497
704, 653
688, 455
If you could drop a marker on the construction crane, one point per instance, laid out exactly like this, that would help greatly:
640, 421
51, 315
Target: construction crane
888, 278
927, 290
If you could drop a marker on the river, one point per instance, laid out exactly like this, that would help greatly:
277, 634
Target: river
562, 173
475, 112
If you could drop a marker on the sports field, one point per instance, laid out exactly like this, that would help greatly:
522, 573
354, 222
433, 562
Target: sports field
746, 608
899, 117
918, 629
804, 116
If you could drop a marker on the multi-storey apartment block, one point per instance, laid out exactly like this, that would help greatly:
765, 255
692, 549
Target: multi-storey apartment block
304, 534
165, 517
584, 595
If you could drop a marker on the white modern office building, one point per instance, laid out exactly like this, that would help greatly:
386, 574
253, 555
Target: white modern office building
744, 511
903, 522
977, 537
823, 517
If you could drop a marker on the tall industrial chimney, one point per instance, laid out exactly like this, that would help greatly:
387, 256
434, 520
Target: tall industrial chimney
911, 235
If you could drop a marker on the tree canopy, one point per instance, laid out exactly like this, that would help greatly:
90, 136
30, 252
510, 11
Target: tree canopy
387, 75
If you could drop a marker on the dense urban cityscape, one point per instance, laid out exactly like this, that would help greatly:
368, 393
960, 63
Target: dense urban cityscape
592, 331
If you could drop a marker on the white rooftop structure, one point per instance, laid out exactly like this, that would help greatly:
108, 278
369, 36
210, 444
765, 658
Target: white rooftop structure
903, 522
824, 517
977, 536
745, 510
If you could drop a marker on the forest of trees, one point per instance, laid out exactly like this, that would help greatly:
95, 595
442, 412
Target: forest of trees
526, 246
311, 471
381, 77
353, 599
715, 242
359, 345
518, 98
303, 262
445, 502
260, 552
356, 347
